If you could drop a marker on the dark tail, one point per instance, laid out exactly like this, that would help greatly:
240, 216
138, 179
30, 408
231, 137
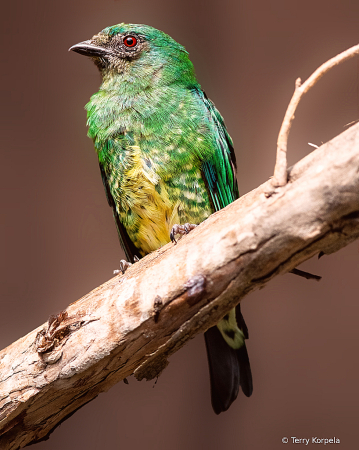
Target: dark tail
228, 368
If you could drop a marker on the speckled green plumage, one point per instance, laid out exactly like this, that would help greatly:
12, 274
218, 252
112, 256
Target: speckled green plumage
161, 143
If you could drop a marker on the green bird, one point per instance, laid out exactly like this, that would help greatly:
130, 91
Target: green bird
167, 163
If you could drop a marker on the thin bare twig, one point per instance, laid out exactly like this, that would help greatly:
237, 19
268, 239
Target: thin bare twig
280, 170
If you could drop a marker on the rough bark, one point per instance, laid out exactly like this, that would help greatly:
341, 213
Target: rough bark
132, 323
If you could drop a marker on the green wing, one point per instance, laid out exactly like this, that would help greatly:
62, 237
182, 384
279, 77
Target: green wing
129, 248
219, 172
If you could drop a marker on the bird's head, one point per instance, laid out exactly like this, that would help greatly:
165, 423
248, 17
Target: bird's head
137, 51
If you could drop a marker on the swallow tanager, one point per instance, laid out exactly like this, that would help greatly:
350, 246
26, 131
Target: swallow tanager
167, 161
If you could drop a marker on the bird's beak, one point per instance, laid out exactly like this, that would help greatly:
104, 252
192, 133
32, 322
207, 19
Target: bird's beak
87, 48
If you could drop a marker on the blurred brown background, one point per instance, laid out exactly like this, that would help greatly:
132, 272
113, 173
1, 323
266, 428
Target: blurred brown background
58, 239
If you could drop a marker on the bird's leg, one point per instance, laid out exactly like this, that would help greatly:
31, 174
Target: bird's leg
124, 265
181, 229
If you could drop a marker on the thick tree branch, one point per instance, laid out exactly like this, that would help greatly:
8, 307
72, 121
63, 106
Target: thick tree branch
132, 323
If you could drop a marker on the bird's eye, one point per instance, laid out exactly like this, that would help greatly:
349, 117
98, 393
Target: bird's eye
130, 41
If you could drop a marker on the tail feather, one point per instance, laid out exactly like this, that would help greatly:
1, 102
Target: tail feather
229, 368
223, 370
245, 374
244, 365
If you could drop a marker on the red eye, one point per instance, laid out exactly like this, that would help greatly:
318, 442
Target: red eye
130, 41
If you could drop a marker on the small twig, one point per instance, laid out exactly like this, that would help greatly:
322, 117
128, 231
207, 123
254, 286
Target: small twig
307, 275
280, 170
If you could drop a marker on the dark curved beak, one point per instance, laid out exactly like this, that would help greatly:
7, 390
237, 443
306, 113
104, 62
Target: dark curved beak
88, 49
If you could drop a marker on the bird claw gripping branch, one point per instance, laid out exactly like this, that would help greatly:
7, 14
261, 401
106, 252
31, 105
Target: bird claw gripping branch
181, 229
124, 265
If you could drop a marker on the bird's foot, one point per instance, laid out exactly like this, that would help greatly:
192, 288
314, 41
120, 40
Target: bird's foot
181, 229
124, 265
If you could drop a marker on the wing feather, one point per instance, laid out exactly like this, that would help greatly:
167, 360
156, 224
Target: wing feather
128, 246
219, 172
